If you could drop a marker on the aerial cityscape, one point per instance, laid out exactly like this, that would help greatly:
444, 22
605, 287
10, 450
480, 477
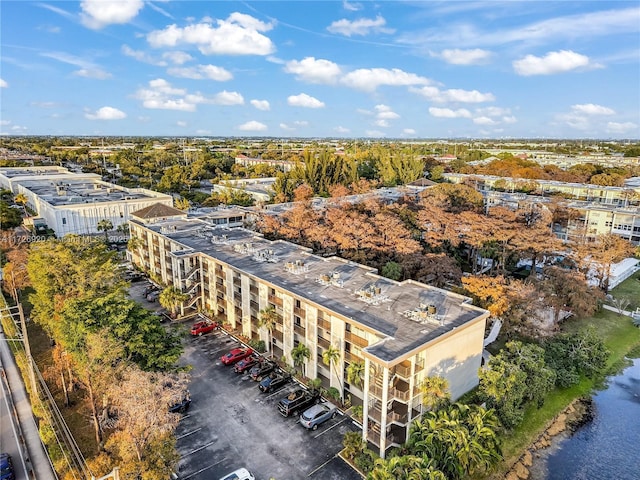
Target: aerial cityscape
327, 240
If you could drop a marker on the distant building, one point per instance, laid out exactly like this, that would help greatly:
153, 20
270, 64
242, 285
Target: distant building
74, 203
245, 161
401, 332
260, 189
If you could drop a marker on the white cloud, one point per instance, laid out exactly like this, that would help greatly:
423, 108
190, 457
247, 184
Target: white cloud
456, 56
383, 115
484, 121
45, 104
509, 119
200, 72
368, 79
252, 126
181, 123
239, 34
96, 73
449, 113
227, 98
261, 105
551, 63
161, 95
361, 26
5, 122
340, 129
351, 6
615, 127
3, 84
493, 111
202, 131
304, 100
592, 109
142, 56
408, 131
286, 127
454, 95
314, 71
177, 57
106, 113
97, 14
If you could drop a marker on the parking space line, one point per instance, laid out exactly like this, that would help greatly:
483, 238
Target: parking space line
318, 468
200, 448
325, 431
188, 433
203, 470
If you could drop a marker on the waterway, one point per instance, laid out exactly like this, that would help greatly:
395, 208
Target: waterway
607, 446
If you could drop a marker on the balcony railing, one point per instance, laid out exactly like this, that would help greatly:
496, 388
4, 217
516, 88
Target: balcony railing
253, 289
351, 357
374, 437
325, 324
299, 312
299, 329
400, 395
355, 339
403, 370
376, 391
324, 343
275, 300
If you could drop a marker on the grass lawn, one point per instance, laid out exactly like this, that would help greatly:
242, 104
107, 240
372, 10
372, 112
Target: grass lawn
621, 337
629, 290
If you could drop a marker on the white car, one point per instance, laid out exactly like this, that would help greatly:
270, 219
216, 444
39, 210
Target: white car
240, 474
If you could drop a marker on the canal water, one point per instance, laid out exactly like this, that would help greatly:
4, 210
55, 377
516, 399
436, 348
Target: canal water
607, 447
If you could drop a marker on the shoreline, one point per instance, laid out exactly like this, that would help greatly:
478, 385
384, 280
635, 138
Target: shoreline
576, 414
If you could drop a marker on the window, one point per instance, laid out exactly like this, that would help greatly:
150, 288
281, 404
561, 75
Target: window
297, 304
347, 327
64, 220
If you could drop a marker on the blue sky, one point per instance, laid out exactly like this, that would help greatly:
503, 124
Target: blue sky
390, 69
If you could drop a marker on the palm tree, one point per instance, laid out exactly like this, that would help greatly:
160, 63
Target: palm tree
268, 319
331, 357
182, 203
355, 373
315, 384
104, 226
435, 392
171, 298
300, 354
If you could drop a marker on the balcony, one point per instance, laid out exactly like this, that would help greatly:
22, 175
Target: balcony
237, 282
374, 437
253, 289
399, 394
299, 312
404, 369
299, 329
376, 391
392, 416
355, 339
277, 335
325, 324
324, 343
351, 357
275, 300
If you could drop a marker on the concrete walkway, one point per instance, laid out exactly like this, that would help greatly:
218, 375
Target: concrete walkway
36, 459
618, 311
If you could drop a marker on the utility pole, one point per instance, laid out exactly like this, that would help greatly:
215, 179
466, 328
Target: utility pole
27, 347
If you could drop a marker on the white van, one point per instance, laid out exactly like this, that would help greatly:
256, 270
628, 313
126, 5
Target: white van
240, 474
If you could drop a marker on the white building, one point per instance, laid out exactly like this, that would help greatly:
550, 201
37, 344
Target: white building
74, 203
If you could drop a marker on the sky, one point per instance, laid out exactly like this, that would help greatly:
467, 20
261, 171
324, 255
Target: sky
337, 69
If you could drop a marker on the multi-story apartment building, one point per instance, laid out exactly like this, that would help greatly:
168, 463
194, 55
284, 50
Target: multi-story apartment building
622, 196
400, 331
74, 203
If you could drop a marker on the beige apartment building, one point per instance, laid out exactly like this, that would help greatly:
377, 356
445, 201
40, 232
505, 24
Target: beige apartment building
401, 331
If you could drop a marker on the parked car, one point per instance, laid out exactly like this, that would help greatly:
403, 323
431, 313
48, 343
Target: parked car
240, 474
236, 355
244, 365
6, 467
274, 382
181, 406
153, 296
317, 415
203, 326
259, 371
298, 401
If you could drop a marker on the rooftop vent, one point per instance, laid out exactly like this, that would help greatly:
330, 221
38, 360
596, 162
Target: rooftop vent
266, 255
331, 278
219, 239
296, 267
244, 248
372, 295
425, 313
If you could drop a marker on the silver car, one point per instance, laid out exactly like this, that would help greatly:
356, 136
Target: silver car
318, 414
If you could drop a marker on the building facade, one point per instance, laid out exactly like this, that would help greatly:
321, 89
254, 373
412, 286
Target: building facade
400, 332
74, 203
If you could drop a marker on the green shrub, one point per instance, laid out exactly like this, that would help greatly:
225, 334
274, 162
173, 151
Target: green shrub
258, 345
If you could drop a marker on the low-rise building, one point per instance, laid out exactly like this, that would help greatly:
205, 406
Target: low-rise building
399, 332
75, 203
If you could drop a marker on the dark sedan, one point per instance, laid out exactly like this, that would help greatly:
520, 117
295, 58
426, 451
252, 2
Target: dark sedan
274, 382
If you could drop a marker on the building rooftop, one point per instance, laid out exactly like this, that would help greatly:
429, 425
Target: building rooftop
73, 191
158, 210
407, 313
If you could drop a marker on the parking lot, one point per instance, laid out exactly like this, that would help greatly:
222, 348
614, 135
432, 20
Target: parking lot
231, 424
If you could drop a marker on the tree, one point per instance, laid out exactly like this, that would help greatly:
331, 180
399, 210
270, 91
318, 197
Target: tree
105, 226
392, 270
568, 291
9, 217
300, 354
268, 320
21, 199
515, 376
353, 444
453, 198
355, 373
331, 357
141, 401
182, 203
171, 298
435, 392
407, 467
598, 256
461, 440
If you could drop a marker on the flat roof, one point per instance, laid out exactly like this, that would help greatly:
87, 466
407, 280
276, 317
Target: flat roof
79, 191
396, 310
